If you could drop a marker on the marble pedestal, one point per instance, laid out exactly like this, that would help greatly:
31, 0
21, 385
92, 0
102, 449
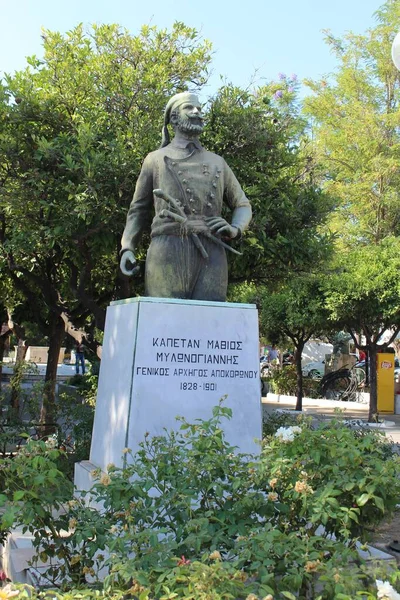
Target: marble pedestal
164, 358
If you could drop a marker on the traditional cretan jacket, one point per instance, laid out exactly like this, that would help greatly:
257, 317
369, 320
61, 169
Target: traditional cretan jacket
199, 179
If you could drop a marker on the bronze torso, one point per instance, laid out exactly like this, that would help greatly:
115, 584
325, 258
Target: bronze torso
199, 179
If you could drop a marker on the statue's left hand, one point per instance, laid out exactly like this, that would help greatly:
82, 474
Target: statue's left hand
221, 227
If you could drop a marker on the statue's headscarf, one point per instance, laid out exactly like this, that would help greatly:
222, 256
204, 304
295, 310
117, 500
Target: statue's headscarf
174, 103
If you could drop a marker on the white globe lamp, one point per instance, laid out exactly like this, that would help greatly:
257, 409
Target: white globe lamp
396, 51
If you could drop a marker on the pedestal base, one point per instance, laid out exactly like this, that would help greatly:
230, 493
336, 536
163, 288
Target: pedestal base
164, 358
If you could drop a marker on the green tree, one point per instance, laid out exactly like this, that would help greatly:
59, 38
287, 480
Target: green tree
296, 312
73, 130
263, 138
355, 116
363, 297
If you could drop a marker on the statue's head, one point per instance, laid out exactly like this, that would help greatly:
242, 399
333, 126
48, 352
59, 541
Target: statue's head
183, 111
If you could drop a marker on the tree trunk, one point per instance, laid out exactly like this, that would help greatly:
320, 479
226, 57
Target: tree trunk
57, 333
17, 376
299, 379
373, 393
78, 334
2, 346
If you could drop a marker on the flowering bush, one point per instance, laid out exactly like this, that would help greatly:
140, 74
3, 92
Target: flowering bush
283, 418
286, 434
188, 517
351, 479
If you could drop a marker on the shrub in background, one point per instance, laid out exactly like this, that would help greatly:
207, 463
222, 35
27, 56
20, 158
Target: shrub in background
283, 380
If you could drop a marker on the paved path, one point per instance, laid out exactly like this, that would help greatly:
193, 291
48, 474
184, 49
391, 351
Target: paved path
326, 408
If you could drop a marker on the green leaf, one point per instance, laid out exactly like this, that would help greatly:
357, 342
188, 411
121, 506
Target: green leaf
332, 502
7, 520
379, 503
353, 516
363, 499
18, 495
349, 486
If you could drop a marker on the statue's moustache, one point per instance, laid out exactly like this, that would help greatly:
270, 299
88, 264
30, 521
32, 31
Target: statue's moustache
196, 118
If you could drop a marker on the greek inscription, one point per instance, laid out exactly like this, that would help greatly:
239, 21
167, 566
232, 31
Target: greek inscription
230, 373
190, 372
160, 371
224, 345
181, 357
175, 342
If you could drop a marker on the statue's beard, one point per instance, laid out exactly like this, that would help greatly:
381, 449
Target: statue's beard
189, 125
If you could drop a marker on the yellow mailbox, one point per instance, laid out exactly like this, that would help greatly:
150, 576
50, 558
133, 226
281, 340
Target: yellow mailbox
385, 382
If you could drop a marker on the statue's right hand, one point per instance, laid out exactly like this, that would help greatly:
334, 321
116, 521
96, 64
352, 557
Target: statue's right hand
128, 263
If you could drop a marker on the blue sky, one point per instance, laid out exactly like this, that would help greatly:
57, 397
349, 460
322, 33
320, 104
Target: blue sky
267, 36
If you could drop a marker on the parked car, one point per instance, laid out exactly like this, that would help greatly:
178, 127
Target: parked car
314, 369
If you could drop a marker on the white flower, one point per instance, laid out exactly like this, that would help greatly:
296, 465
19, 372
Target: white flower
386, 591
51, 442
8, 592
286, 434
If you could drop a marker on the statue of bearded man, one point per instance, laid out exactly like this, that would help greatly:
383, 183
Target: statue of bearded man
186, 186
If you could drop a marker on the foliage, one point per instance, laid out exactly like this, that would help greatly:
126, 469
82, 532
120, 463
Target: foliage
362, 296
216, 580
284, 418
263, 139
364, 289
188, 517
86, 386
75, 417
326, 461
21, 369
284, 381
82, 120
354, 115
75, 413
74, 128
296, 311
26, 475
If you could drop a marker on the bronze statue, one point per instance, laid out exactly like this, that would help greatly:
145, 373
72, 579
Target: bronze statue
187, 186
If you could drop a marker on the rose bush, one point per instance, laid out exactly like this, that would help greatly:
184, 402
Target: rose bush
189, 517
